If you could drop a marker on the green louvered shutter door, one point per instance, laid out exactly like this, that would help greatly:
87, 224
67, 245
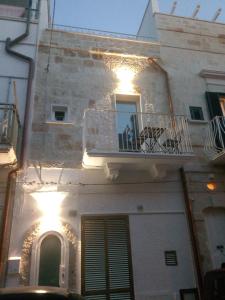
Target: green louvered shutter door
93, 259
106, 259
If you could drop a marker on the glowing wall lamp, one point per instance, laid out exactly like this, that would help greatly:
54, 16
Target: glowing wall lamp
211, 184
49, 203
125, 76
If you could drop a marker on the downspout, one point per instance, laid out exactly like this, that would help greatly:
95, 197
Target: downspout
185, 190
192, 231
9, 199
170, 100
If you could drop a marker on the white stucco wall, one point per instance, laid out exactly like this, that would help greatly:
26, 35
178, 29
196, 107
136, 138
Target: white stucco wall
159, 226
148, 23
151, 235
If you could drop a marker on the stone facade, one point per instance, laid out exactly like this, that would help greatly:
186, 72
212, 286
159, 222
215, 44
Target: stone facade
76, 71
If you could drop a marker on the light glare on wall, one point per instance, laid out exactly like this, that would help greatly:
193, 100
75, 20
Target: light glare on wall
49, 203
125, 76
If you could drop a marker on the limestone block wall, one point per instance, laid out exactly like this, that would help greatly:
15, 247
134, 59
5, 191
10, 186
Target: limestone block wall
81, 77
187, 47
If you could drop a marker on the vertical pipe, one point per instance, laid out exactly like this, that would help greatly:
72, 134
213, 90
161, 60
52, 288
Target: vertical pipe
9, 199
192, 231
8, 89
170, 100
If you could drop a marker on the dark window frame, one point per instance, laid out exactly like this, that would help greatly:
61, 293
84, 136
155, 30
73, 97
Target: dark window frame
196, 110
60, 116
58, 109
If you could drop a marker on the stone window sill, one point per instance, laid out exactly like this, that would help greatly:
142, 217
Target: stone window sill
201, 122
50, 122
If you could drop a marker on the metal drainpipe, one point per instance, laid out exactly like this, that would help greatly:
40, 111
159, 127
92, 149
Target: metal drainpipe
186, 195
192, 231
170, 100
9, 199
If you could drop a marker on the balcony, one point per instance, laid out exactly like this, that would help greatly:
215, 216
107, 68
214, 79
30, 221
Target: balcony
215, 140
9, 133
120, 140
18, 8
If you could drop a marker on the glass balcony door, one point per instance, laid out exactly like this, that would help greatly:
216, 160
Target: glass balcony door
127, 125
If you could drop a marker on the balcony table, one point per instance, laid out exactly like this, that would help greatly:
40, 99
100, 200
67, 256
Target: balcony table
149, 136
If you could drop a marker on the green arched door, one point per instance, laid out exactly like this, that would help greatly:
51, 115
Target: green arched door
50, 259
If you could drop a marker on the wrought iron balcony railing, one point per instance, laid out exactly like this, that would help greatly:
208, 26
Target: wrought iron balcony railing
215, 138
18, 8
103, 33
9, 126
146, 133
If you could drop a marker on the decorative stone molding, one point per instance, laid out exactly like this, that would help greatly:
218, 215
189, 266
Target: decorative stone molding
29, 266
157, 171
214, 78
31, 235
112, 171
212, 74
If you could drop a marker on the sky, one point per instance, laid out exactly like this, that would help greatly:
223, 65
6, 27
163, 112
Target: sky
124, 16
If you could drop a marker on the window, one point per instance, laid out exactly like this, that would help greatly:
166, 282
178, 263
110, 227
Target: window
59, 113
216, 104
196, 113
170, 258
127, 121
106, 259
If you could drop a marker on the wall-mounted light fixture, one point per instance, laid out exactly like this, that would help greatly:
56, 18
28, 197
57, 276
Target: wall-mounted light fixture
211, 184
49, 203
125, 76
125, 67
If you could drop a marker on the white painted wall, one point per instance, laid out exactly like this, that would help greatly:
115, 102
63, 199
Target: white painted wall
161, 225
148, 23
11, 66
215, 224
151, 235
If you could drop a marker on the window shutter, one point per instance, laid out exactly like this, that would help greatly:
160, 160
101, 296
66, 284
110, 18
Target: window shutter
106, 260
213, 104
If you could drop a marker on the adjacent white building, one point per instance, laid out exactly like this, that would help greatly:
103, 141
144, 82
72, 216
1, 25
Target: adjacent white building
21, 24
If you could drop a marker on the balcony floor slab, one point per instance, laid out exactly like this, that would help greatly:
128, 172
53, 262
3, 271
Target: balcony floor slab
133, 160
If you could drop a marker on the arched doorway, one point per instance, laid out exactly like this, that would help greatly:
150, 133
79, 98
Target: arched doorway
50, 260
36, 252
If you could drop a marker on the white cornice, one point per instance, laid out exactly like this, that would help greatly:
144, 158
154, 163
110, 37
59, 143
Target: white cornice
212, 74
